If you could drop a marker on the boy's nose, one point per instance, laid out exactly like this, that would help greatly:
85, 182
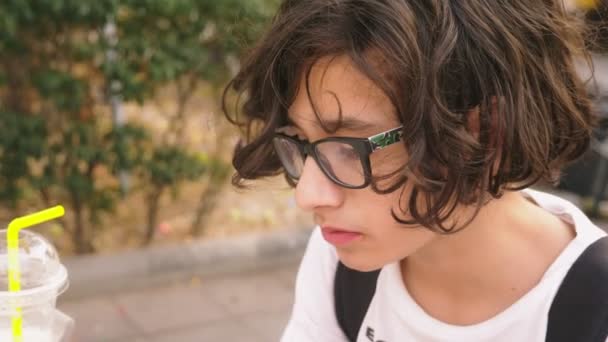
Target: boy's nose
315, 190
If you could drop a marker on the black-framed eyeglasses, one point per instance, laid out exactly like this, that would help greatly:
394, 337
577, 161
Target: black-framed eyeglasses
344, 160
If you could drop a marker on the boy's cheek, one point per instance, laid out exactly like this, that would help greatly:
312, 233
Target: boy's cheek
389, 159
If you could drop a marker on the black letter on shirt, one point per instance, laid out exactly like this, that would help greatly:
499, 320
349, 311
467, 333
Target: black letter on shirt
370, 334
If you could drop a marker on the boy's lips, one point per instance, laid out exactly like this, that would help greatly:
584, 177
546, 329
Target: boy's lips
339, 236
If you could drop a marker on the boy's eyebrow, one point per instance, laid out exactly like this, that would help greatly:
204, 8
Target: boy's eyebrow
347, 123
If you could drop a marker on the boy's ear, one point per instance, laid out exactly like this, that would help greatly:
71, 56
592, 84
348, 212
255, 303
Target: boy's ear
474, 126
494, 134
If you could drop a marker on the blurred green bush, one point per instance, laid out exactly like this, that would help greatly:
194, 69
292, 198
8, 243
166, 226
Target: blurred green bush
64, 63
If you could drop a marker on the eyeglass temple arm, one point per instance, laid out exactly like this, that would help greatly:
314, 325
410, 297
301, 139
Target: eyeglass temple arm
386, 138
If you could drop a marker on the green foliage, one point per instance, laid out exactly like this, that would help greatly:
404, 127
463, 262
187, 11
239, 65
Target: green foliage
127, 147
170, 164
61, 62
66, 92
217, 169
16, 153
159, 41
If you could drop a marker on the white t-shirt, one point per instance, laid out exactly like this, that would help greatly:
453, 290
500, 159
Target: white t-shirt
393, 316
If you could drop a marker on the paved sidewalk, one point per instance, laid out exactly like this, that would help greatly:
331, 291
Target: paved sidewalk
252, 307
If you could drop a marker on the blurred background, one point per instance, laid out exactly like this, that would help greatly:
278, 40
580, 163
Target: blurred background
112, 109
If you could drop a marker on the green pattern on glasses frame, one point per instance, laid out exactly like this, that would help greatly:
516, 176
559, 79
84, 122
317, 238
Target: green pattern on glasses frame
385, 139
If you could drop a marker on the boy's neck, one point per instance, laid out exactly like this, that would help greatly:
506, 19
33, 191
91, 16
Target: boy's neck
471, 276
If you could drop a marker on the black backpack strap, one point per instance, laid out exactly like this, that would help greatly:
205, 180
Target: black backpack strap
353, 292
580, 309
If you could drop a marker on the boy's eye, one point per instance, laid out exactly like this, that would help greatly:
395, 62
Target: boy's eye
289, 130
347, 152
292, 132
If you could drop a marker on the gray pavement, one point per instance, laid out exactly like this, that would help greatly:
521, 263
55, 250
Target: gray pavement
250, 306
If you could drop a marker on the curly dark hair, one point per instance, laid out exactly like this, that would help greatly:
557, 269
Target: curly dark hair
436, 60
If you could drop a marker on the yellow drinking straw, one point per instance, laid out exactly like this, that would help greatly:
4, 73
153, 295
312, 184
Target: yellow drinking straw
14, 276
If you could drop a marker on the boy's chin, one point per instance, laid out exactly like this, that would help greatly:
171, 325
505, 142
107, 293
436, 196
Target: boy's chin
360, 263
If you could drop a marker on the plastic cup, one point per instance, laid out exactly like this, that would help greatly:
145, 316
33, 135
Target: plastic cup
43, 278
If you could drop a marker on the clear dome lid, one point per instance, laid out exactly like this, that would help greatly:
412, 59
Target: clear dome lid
41, 272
